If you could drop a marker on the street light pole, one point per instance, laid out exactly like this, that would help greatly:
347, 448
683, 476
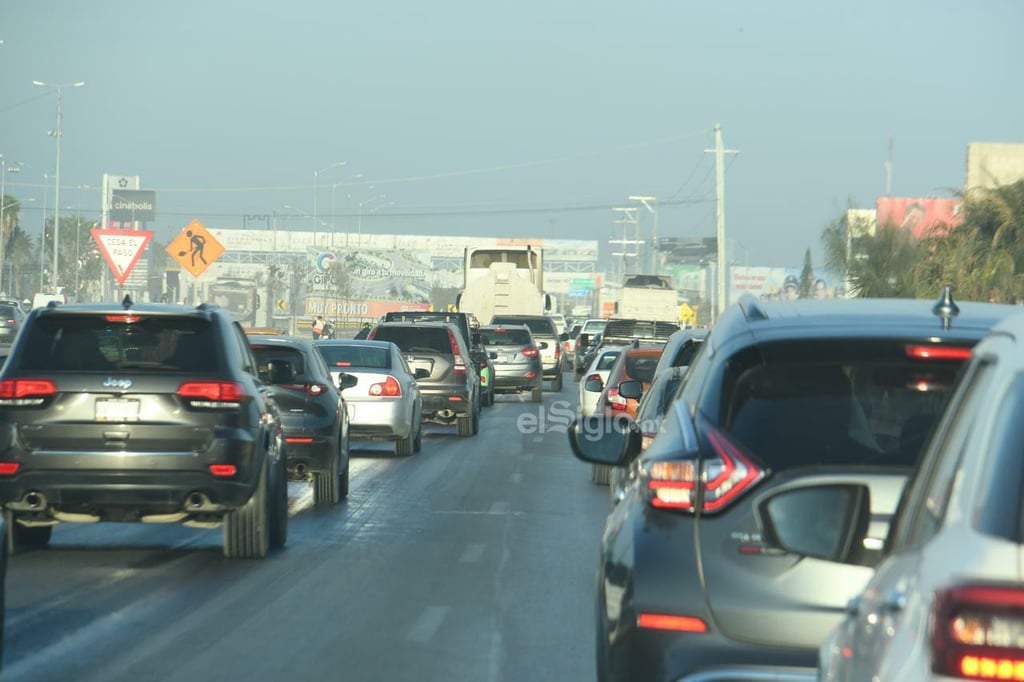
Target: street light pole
57, 132
334, 199
316, 176
359, 222
651, 204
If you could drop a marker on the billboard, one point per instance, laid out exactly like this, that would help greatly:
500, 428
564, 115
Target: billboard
919, 215
132, 205
394, 275
781, 284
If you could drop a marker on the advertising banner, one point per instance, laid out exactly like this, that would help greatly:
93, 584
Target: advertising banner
780, 284
132, 205
919, 215
401, 276
362, 310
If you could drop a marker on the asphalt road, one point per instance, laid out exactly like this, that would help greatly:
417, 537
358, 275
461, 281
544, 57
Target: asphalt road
471, 561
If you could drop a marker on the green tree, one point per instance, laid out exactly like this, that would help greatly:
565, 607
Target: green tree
806, 288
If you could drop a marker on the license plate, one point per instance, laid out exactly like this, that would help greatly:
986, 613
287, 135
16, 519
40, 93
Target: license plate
117, 410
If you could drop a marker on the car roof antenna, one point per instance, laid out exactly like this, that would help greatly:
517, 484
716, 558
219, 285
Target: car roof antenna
946, 308
127, 301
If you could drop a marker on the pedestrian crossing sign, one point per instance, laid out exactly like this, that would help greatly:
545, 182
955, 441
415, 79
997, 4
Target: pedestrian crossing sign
195, 249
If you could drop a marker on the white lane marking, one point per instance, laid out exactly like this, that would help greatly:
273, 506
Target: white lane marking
517, 477
500, 507
427, 625
472, 554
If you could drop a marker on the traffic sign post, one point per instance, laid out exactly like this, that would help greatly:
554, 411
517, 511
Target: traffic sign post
195, 249
121, 249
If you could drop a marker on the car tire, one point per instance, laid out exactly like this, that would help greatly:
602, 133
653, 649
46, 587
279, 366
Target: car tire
537, 395
417, 443
405, 446
279, 520
488, 399
247, 529
20, 538
326, 485
343, 482
601, 474
465, 425
556, 385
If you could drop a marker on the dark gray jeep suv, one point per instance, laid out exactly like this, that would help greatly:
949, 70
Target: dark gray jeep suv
146, 413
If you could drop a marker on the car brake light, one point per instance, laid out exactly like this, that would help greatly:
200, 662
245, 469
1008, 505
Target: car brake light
213, 391
8, 468
26, 388
661, 621
593, 377
460, 365
530, 352
389, 388
298, 439
938, 352
616, 401
727, 475
455, 343
315, 389
125, 318
223, 470
978, 632
342, 363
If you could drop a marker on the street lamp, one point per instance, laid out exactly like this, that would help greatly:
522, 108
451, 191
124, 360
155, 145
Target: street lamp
367, 202
651, 204
334, 197
57, 132
316, 175
4, 170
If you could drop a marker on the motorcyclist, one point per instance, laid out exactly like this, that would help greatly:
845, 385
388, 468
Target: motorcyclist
364, 331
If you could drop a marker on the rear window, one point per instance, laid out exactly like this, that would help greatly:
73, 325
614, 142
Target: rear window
641, 367
540, 326
92, 343
592, 326
264, 354
459, 321
356, 356
607, 361
834, 404
421, 339
7, 312
505, 337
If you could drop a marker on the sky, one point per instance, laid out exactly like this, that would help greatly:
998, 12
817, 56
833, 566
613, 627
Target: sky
525, 119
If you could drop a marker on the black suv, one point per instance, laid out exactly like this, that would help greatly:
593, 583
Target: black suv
150, 413
451, 394
470, 330
692, 582
544, 330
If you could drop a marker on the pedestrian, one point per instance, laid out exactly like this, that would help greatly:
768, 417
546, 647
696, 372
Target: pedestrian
318, 326
364, 332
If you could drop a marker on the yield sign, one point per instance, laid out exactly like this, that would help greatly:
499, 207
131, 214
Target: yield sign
122, 249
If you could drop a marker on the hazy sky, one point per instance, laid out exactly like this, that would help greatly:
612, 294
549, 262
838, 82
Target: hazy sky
514, 119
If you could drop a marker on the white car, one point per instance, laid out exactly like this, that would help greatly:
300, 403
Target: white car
385, 404
595, 377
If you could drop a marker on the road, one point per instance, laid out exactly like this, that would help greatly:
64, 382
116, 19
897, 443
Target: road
473, 560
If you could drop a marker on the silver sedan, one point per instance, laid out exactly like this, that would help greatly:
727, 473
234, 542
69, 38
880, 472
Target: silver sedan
385, 405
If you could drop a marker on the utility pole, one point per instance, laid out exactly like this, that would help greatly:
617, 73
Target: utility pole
629, 217
720, 151
651, 204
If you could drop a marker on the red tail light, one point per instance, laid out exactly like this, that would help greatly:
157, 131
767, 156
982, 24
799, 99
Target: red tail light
978, 632
389, 388
8, 468
593, 377
460, 365
661, 621
223, 470
558, 350
455, 343
372, 334
213, 391
728, 474
938, 352
616, 401
125, 318
14, 389
315, 389
530, 352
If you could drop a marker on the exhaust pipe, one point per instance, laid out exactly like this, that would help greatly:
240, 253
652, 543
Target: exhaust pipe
196, 501
35, 500
446, 414
301, 469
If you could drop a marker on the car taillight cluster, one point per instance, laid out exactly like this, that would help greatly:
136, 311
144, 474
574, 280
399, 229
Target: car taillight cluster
216, 394
460, 366
727, 474
616, 401
977, 632
389, 388
530, 352
26, 392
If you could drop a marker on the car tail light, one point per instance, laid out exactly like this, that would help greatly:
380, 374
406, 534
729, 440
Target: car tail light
558, 350
593, 377
301, 440
454, 342
579, 344
728, 474
124, 318
223, 470
530, 352
372, 334
12, 390
977, 632
389, 388
646, 439
662, 621
616, 401
8, 468
938, 352
460, 366
315, 389
213, 393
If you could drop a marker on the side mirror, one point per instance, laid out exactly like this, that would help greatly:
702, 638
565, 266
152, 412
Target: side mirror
347, 381
563, 337
542, 345
280, 372
631, 388
421, 373
492, 355
593, 385
826, 522
605, 440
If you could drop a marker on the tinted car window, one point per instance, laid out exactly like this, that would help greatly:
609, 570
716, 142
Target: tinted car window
542, 326
641, 368
426, 339
8, 312
264, 354
94, 344
356, 356
607, 361
505, 337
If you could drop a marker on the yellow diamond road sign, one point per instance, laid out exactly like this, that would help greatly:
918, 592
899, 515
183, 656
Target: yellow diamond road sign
195, 248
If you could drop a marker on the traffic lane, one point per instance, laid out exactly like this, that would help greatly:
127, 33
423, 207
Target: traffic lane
471, 560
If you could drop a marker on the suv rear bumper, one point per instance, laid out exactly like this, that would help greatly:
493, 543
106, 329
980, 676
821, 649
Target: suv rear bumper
435, 402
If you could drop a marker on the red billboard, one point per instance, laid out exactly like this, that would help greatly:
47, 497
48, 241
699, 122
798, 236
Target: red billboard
919, 215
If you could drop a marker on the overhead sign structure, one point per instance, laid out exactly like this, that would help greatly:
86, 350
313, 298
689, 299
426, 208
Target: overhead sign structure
195, 249
122, 249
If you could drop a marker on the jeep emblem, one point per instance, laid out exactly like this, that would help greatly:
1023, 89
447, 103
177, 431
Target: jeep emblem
112, 382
